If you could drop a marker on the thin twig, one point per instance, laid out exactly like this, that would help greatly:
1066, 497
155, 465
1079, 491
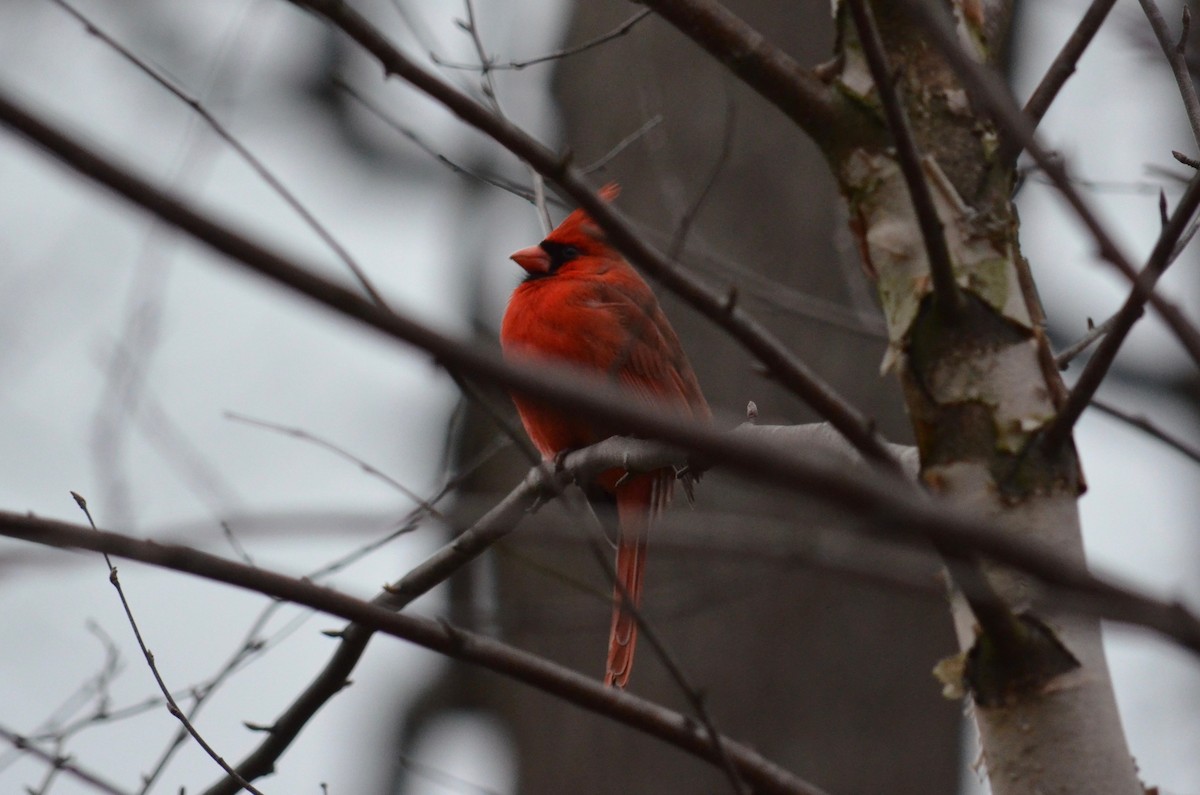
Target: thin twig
1141, 423
1176, 55
1060, 70
1191, 162
623, 144
989, 91
55, 726
947, 297
1102, 360
439, 636
616, 33
723, 154
62, 763
391, 121
253, 645
241, 149
341, 452
1068, 354
672, 666
488, 85
803, 88
172, 706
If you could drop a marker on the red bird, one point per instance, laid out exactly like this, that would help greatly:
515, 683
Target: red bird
581, 304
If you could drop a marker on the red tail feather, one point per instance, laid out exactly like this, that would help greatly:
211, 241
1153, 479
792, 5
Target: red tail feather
639, 502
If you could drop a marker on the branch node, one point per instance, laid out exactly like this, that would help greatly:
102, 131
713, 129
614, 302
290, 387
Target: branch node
731, 299
1187, 161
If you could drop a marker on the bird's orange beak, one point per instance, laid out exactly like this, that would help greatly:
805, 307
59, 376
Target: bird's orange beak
533, 259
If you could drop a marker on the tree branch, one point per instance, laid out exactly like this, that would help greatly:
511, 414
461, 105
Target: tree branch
774, 74
1106, 352
948, 299
1146, 426
893, 509
783, 365
987, 89
1060, 71
582, 691
1176, 55
616, 33
59, 763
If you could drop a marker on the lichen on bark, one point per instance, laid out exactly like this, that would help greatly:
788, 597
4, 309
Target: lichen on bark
979, 391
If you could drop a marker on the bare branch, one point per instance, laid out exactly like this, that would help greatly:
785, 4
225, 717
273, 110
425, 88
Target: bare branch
1143, 424
172, 706
774, 74
789, 371
892, 511
988, 90
1176, 54
896, 510
389, 120
624, 144
689, 215
1067, 355
60, 763
566, 52
674, 670
324, 444
1102, 360
1061, 70
947, 298
439, 636
242, 151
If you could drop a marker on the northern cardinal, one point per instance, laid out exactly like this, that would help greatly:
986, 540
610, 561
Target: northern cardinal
581, 304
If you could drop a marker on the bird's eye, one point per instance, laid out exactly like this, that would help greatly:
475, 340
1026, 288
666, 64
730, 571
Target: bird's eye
560, 253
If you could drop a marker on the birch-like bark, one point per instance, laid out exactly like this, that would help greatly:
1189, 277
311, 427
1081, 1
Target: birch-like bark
980, 388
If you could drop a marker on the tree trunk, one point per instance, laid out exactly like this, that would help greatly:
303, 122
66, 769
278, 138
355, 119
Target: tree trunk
980, 388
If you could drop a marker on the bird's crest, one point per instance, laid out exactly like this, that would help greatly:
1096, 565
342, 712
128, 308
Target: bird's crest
579, 223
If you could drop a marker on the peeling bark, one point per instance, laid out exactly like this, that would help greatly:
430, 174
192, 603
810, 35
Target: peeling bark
979, 394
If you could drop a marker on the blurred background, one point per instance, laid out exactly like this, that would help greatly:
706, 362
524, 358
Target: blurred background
189, 402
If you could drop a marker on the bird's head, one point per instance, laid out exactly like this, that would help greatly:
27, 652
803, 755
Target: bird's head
577, 236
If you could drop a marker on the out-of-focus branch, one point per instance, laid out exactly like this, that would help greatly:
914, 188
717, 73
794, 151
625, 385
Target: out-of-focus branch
1146, 426
1176, 55
794, 89
438, 636
889, 508
1060, 71
990, 92
789, 371
64, 764
894, 510
1106, 352
620, 30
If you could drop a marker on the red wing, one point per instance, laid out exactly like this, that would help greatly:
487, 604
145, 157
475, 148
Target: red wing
647, 357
